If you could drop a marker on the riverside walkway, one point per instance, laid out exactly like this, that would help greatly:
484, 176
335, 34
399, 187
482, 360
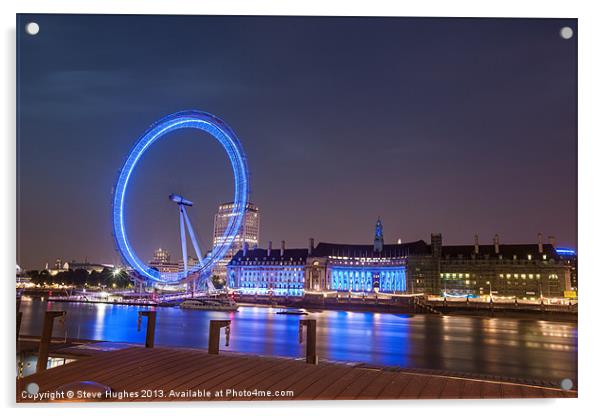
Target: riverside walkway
127, 372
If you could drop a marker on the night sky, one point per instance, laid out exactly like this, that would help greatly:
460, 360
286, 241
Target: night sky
458, 126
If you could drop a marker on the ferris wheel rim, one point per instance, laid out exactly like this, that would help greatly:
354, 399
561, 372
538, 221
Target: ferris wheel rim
220, 131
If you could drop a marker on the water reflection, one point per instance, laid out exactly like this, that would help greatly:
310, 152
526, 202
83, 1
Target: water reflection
498, 346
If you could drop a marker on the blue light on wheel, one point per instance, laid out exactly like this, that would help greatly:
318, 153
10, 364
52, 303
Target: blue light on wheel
226, 137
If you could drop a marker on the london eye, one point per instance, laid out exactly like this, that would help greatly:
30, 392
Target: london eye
226, 137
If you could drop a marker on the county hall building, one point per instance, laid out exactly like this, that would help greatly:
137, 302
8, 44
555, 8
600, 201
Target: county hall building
524, 271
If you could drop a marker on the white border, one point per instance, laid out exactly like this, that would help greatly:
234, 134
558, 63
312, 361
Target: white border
590, 91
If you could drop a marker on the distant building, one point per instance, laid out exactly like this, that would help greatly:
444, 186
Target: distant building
59, 266
524, 271
280, 272
192, 261
161, 256
569, 257
22, 277
249, 233
162, 262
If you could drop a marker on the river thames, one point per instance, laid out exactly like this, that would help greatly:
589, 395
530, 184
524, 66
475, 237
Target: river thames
518, 348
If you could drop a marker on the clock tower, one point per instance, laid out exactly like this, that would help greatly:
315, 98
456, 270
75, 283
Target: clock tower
379, 242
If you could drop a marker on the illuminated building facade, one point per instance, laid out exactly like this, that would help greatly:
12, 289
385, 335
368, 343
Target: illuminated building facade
360, 268
569, 257
523, 271
334, 267
248, 233
162, 262
161, 256
263, 272
191, 262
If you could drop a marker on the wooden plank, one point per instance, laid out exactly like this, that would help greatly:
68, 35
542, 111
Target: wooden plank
277, 372
374, 389
321, 372
353, 390
218, 365
396, 385
336, 388
212, 382
531, 393
492, 390
248, 375
472, 390
413, 387
260, 379
301, 375
452, 389
331, 378
511, 391
178, 369
138, 375
433, 388
277, 379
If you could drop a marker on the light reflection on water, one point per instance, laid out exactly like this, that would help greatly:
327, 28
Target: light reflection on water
507, 347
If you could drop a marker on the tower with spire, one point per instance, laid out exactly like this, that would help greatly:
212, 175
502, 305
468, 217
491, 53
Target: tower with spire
379, 241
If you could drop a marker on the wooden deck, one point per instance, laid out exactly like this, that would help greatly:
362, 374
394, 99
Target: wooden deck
184, 374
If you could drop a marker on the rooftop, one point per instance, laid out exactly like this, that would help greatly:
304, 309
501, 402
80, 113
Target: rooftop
367, 250
507, 251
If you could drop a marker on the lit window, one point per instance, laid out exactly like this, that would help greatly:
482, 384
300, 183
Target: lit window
528, 256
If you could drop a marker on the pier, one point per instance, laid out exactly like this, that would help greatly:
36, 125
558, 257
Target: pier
135, 373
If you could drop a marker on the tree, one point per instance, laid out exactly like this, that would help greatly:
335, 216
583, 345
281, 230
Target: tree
218, 281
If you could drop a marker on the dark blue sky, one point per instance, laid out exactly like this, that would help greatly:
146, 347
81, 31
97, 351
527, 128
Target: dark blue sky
458, 126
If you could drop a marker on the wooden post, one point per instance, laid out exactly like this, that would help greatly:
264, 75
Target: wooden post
310, 351
151, 318
215, 326
46, 338
19, 318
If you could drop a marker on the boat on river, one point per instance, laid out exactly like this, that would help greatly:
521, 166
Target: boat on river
292, 312
215, 304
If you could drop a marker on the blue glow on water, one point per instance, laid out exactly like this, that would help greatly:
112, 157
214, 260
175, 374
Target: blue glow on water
227, 138
515, 348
